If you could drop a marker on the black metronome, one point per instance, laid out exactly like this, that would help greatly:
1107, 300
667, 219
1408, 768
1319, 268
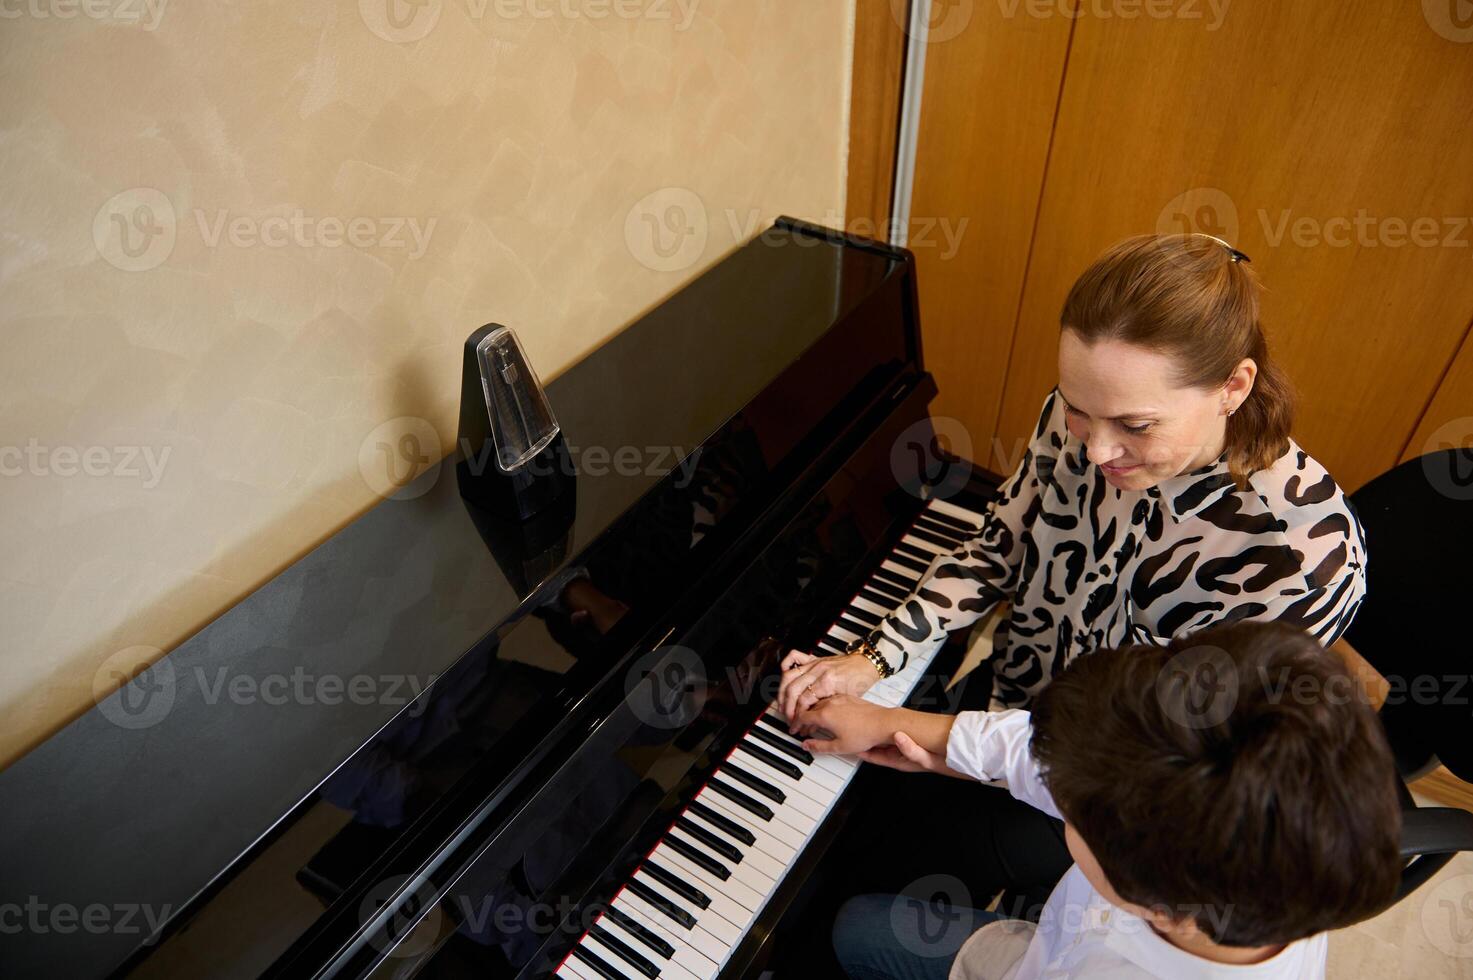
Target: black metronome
513, 461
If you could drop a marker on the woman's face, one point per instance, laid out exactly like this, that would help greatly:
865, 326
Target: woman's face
1139, 427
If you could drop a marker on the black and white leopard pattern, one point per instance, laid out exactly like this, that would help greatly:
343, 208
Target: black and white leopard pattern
1086, 565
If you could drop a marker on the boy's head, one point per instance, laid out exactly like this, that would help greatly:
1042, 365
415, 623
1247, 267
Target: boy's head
1235, 781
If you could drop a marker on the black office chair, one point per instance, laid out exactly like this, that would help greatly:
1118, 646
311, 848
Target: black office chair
1414, 624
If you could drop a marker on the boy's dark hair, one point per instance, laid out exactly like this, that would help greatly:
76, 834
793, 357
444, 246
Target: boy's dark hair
1236, 776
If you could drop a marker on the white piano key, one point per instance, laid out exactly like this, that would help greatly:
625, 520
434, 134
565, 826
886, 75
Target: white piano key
799, 796
924, 550
742, 871
730, 899
752, 853
772, 835
669, 968
609, 957
813, 773
860, 602
696, 949
899, 571
707, 919
967, 517
700, 952
573, 970
773, 845
801, 822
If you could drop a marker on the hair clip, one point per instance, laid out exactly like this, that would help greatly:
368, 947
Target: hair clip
1233, 253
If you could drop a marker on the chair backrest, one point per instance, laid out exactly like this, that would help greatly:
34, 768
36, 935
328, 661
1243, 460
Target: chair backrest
1430, 837
1413, 626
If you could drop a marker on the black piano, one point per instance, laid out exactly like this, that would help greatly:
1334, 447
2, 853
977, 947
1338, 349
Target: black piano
443, 744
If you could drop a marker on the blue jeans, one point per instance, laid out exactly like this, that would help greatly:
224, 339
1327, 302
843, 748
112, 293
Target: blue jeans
895, 937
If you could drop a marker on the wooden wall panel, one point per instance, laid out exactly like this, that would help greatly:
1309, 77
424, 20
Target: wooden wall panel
1448, 421
991, 91
874, 113
1314, 134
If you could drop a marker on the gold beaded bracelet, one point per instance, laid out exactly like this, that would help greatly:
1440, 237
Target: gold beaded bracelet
866, 648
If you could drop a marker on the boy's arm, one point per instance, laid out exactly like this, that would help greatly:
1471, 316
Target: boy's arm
984, 745
990, 746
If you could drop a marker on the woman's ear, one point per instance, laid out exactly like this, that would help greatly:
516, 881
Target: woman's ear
1239, 385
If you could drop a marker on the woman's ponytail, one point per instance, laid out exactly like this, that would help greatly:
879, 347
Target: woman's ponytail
1258, 432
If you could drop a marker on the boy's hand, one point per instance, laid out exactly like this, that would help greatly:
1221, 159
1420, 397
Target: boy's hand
908, 756
844, 725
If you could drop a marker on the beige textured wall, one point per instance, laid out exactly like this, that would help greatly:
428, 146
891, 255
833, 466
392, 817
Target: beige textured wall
238, 240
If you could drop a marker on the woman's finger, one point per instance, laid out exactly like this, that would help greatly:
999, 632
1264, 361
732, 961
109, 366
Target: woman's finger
794, 692
825, 685
791, 676
796, 658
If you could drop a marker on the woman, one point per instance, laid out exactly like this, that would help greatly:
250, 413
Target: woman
1160, 493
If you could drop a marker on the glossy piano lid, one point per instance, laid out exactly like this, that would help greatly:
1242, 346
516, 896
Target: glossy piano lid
142, 801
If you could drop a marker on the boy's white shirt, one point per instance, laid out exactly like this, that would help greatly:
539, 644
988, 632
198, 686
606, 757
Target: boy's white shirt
1080, 934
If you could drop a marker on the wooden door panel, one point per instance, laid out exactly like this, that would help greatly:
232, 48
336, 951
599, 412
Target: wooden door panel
1332, 142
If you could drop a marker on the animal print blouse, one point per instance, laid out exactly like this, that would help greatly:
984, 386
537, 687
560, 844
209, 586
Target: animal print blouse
1087, 565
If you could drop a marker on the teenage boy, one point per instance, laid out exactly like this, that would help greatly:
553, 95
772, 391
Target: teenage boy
1227, 799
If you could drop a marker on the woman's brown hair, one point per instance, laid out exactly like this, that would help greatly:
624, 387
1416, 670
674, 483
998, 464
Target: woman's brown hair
1189, 296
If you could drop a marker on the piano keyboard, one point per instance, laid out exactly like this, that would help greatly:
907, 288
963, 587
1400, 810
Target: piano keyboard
693, 900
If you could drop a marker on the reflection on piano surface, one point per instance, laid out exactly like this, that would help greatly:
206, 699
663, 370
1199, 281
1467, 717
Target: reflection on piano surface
705, 883
576, 772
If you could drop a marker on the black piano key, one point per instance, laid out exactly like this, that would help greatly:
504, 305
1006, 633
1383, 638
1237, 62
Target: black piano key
740, 799
845, 623
715, 843
728, 827
697, 857
678, 885
895, 579
883, 593
596, 964
782, 745
951, 522
655, 900
775, 723
911, 551
644, 935
929, 534
754, 783
832, 644
781, 765
918, 566
625, 952
869, 619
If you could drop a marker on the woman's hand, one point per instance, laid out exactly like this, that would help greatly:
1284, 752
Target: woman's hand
844, 725
807, 678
